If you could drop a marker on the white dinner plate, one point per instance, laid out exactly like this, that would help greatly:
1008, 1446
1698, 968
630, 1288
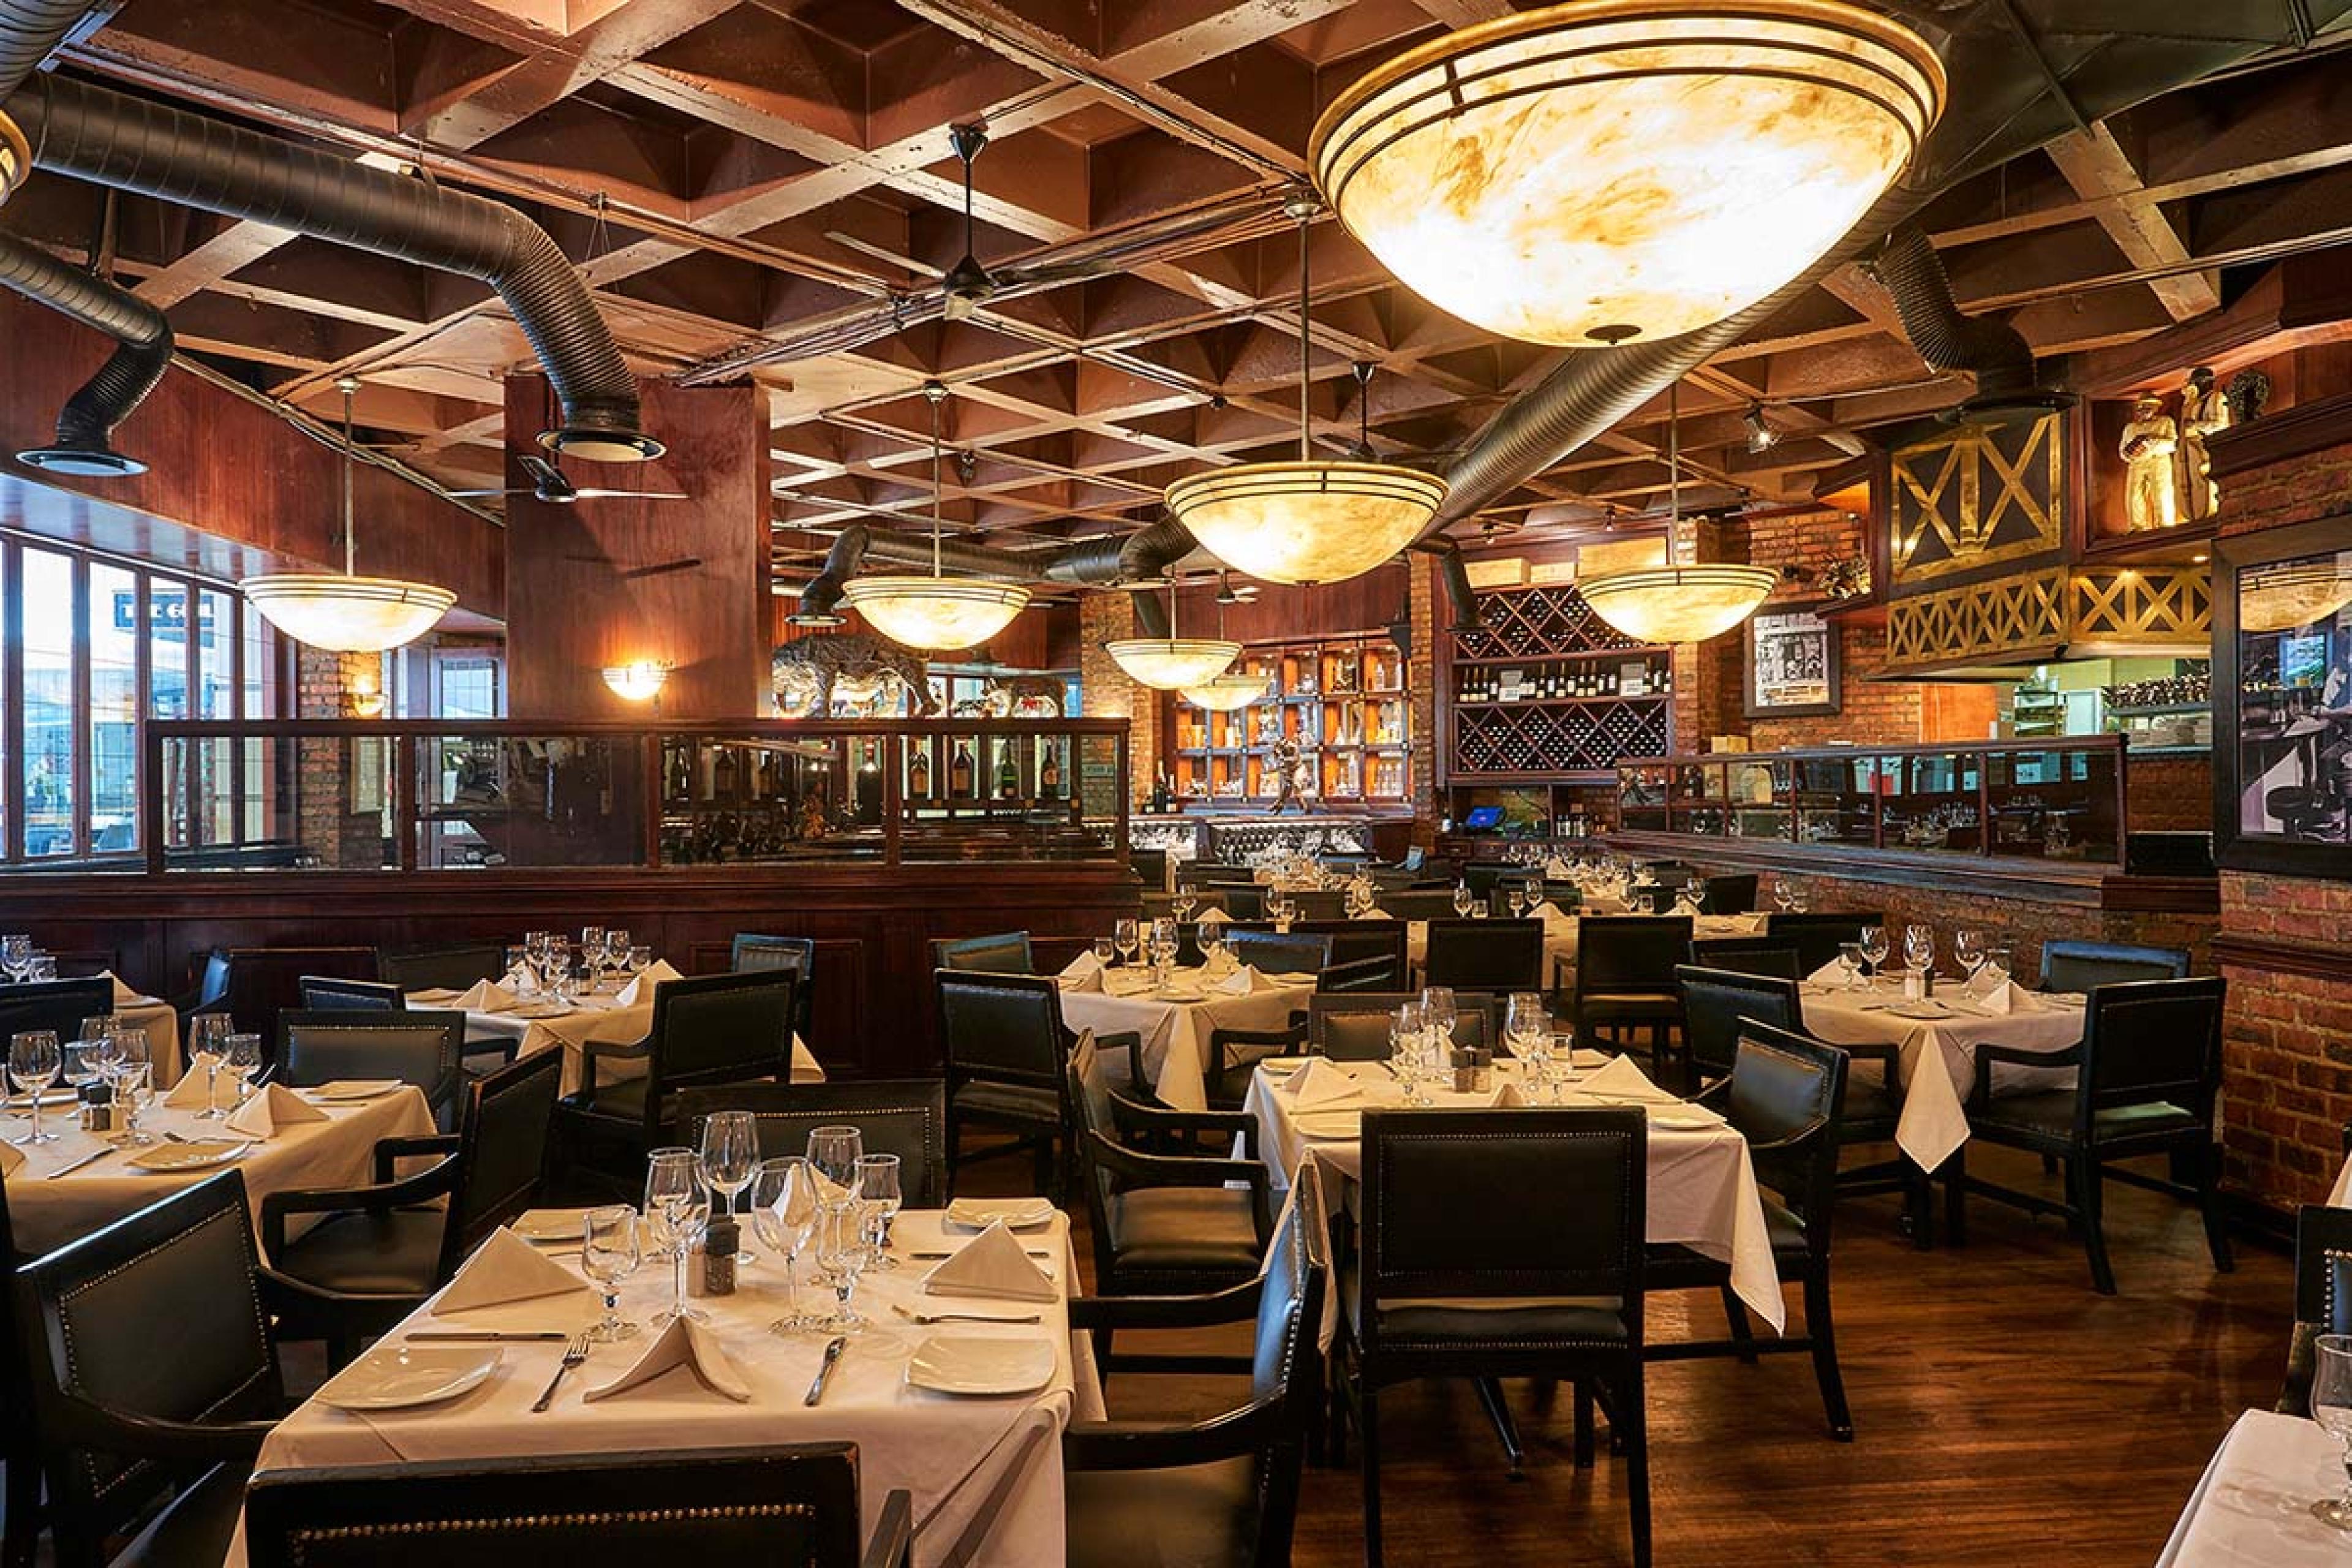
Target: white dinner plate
352, 1091
1682, 1121
546, 1227
397, 1377
536, 1010
189, 1156
1021, 1213
1339, 1124
968, 1363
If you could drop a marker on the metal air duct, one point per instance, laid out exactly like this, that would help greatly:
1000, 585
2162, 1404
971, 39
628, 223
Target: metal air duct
1994, 352
143, 351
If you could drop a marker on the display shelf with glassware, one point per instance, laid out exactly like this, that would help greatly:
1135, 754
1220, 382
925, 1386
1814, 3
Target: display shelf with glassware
1544, 690
2171, 712
1340, 701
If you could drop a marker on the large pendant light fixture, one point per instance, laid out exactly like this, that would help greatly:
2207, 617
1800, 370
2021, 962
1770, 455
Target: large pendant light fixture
1171, 663
347, 614
1673, 604
1613, 169
937, 612
2294, 595
1306, 521
1228, 693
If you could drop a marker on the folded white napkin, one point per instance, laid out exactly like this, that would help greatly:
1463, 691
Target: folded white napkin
506, 1268
435, 996
1129, 982
271, 1111
486, 996
1506, 1097
1082, 972
684, 1343
1375, 913
1240, 983
1321, 1083
1999, 1000
994, 1264
640, 988
121, 993
1556, 872
1621, 1078
1828, 973
189, 1093
1555, 918
12, 1159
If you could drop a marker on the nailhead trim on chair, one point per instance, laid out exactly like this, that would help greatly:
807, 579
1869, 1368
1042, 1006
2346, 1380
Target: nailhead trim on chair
303, 1540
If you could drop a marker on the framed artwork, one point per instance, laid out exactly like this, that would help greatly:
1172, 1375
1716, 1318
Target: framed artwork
2283, 701
1792, 666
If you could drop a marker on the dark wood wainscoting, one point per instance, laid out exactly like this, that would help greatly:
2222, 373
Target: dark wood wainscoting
873, 925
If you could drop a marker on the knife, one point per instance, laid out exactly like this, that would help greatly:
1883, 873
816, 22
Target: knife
90, 1159
488, 1336
832, 1349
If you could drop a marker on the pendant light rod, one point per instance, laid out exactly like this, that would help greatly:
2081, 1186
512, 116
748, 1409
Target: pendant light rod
935, 393
350, 387
1673, 464
1302, 206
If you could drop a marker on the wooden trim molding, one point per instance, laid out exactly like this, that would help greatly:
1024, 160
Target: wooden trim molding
2279, 955
2279, 438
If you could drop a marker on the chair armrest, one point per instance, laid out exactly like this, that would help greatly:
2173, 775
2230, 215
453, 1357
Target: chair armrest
892, 1544
1235, 1304
1152, 1446
388, 1150
83, 1423
1176, 1170
1134, 1117
593, 1051
438, 1181
503, 1046
1796, 1139
1990, 1055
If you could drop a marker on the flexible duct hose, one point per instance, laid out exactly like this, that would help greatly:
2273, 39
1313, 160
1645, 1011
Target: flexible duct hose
1996, 351
30, 32
142, 353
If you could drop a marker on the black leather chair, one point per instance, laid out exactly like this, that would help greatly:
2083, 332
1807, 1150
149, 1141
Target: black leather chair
1485, 956
425, 1048
1749, 955
1818, 937
1733, 895
1625, 979
2083, 966
1007, 1056
254, 984
328, 992
1785, 1096
907, 1118
56, 1005
1223, 1490
1355, 941
707, 1029
20, 1445
1420, 904
1005, 952
1717, 1005
1320, 904
2323, 1298
2148, 1068
796, 1504
752, 953
1562, 1249
1233, 1054
381, 1249
444, 968
131, 1406
1279, 953
1353, 1026
1238, 901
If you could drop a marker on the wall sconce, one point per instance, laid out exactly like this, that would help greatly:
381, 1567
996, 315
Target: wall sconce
364, 695
637, 683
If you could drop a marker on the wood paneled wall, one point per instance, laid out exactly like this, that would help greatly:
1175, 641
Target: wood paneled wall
599, 583
1364, 604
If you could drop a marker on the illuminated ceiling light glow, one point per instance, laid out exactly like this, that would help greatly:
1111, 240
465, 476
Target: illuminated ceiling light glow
1673, 604
638, 681
1613, 169
16, 157
1227, 693
2294, 595
1169, 664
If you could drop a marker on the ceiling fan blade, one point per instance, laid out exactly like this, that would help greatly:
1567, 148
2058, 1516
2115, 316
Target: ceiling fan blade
477, 495
685, 565
591, 493
864, 247
542, 470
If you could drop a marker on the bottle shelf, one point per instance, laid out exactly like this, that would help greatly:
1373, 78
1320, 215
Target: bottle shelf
1544, 691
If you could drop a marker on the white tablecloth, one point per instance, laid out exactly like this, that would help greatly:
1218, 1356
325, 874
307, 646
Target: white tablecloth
598, 1018
160, 1022
2251, 1507
989, 1469
337, 1152
1703, 1192
1933, 1124
1176, 1030
1559, 940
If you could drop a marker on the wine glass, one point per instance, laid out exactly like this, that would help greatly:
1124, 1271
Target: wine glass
1463, 898
731, 1153
784, 1216
1694, 889
641, 958
1969, 948
1535, 1053
1439, 1013
1104, 951
1182, 903
1875, 947
677, 1209
616, 948
1850, 962
1525, 1023
33, 1066
1124, 937
1782, 894
42, 966
878, 1189
1212, 938
591, 948
1996, 968
80, 1064
130, 1066
241, 1055
1919, 948
17, 955
98, 1026
206, 1033
835, 1152
843, 1247
2331, 1411
1404, 1050
1799, 900
1515, 895
610, 1251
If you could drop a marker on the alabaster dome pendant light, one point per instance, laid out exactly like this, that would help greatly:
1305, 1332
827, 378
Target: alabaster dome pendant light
1608, 170
1306, 521
1171, 663
937, 612
1670, 603
347, 614
1230, 692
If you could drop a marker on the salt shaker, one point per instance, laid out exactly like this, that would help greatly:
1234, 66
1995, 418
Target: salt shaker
716, 1268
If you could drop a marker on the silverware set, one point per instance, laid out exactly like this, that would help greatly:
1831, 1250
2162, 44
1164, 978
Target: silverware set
928, 1318
834, 1348
575, 1352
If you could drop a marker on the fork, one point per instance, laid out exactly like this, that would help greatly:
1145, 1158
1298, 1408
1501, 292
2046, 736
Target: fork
928, 1318
574, 1353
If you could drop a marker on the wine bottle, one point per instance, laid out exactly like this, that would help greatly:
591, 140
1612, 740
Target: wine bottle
1008, 777
919, 774
959, 771
1049, 773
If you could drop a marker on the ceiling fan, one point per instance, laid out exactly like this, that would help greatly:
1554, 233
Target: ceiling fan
550, 486
1228, 593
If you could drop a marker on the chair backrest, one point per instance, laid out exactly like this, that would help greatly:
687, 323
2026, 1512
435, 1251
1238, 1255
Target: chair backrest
1485, 956
785, 1505
1748, 955
1355, 940
1719, 1004
1320, 904
1620, 954
258, 982
1818, 937
2150, 1040
1088, 1094
1003, 953
1150, 868
2085, 965
332, 992
1575, 1186
419, 1048
502, 1139
58, 1004
1280, 952
1284, 1362
1239, 901
751, 954
98, 1356
1733, 895
444, 968
1420, 904
905, 1118
1005, 1029
1483, 877
720, 1028
2323, 1297
1788, 1099
1353, 1025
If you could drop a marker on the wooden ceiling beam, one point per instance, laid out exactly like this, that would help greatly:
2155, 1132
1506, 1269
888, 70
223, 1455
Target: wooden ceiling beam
2099, 170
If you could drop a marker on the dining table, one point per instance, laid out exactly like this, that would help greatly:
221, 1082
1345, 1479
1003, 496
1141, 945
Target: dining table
984, 1469
54, 1198
1561, 934
2251, 1507
610, 1017
1177, 1019
155, 1018
1703, 1192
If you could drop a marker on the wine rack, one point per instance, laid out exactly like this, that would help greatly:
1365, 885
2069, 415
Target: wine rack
1544, 690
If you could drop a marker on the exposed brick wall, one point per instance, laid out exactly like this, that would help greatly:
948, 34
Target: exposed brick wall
1426, 609
324, 686
2169, 794
1106, 692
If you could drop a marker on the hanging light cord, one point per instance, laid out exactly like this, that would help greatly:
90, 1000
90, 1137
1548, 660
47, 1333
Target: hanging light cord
937, 395
1306, 347
1673, 468
350, 389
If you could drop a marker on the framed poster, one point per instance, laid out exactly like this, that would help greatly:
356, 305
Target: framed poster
1792, 666
2283, 701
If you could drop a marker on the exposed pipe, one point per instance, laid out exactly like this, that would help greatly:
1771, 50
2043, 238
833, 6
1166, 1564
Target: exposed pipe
30, 32
1997, 352
1143, 556
142, 353
1454, 576
112, 139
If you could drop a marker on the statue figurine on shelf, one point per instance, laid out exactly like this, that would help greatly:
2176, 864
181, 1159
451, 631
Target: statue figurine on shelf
814, 823
2204, 410
1289, 768
2247, 392
2151, 498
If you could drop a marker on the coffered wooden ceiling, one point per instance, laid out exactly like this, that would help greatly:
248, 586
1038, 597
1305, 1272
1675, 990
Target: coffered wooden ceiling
740, 179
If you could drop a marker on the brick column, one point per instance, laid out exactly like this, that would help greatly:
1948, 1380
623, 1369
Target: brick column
1430, 615
1106, 691
328, 770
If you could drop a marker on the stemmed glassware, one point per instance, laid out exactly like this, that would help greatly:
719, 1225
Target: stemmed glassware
1405, 1034
80, 1064
878, 1189
833, 1152
1212, 938
1516, 896
616, 948
1919, 949
1783, 894
1875, 947
731, 1155
1104, 951
610, 1251
241, 1055
1850, 962
784, 1216
33, 1065
1969, 949
677, 1208
2331, 1410
1526, 1029
1463, 899
592, 951
844, 1246
206, 1033
129, 1064
1182, 903
1798, 899
16, 954
1125, 936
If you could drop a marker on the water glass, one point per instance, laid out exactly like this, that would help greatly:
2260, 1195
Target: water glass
1799, 901
1516, 896
731, 1153
1875, 947
1463, 899
641, 958
617, 947
130, 1067
1850, 962
1212, 938
1438, 1012
1125, 936
83, 1063
878, 1189
677, 1210
241, 1055
1182, 904
1405, 1032
843, 1247
2331, 1411
98, 1026
1919, 948
784, 1216
1997, 969
610, 1252
33, 1065
591, 948
835, 1152
16, 955
1782, 894
1104, 950
42, 968
1969, 948
1525, 1020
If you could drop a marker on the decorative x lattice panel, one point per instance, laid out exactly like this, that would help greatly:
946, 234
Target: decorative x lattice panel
1534, 622
2012, 614
1513, 741
2153, 606
1979, 495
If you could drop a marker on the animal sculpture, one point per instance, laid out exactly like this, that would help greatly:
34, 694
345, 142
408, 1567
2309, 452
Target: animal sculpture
848, 675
